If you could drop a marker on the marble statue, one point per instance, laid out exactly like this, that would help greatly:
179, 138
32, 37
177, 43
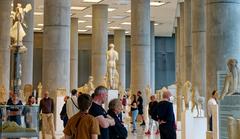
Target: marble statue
27, 91
232, 79
122, 91
83, 89
105, 81
2, 95
39, 90
148, 92
17, 31
197, 101
187, 87
90, 85
112, 57
115, 84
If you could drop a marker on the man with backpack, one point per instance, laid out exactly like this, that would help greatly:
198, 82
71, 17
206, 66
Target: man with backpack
72, 104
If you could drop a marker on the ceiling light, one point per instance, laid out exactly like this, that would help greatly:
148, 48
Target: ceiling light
155, 24
128, 11
40, 25
126, 23
92, 0
119, 16
37, 29
111, 9
156, 3
78, 8
81, 21
127, 32
88, 15
114, 27
82, 30
38, 13
88, 27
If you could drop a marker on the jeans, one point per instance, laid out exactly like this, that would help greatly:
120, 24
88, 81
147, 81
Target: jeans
134, 118
151, 122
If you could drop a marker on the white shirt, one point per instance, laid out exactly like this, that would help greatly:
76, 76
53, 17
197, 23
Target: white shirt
71, 108
211, 102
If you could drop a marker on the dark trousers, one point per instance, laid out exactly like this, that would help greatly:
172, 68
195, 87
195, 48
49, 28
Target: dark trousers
167, 132
210, 123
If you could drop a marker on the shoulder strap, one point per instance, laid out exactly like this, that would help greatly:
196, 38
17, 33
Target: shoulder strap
74, 104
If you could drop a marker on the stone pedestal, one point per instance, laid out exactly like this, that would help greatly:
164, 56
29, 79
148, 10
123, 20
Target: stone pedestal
112, 94
215, 122
187, 125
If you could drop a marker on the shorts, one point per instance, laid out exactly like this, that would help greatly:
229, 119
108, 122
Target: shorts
140, 111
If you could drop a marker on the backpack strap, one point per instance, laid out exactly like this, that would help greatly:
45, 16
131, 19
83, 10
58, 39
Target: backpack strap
74, 104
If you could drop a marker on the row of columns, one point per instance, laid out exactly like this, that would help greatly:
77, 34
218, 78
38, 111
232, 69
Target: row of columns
60, 46
207, 35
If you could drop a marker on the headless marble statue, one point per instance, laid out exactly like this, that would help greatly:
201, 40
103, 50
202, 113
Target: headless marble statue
232, 79
112, 57
187, 93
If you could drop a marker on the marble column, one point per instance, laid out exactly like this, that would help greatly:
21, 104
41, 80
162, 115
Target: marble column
120, 45
56, 46
74, 54
187, 40
199, 46
99, 42
5, 24
152, 58
140, 46
178, 71
27, 57
223, 35
182, 48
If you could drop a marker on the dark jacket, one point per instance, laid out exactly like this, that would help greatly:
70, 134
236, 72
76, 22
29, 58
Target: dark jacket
118, 131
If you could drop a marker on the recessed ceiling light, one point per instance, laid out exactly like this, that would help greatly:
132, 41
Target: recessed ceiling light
128, 11
81, 21
114, 27
88, 15
78, 8
38, 13
37, 29
118, 16
82, 30
111, 9
92, 0
88, 26
126, 23
156, 3
40, 25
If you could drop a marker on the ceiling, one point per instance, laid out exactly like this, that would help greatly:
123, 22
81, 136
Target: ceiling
163, 15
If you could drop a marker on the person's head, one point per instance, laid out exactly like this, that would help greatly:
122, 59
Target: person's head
66, 98
74, 92
115, 105
31, 100
231, 64
100, 94
134, 97
139, 93
215, 94
166, 94
11, 93
14, 97
152, 98
84, 102
45, 94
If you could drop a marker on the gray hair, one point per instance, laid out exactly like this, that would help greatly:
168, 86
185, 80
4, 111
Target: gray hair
114, 103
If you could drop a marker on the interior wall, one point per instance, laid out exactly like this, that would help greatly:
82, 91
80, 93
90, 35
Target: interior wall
164, 57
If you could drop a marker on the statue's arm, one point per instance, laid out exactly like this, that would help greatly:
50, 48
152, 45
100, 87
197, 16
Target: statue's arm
225, 87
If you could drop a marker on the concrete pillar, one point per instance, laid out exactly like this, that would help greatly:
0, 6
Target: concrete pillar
178, 71
182, 50
99, 42
152, 58
74, 54
5, 24
56, 46
140, 46
120, 45
187, 40
199, 46
222, 33
27, 57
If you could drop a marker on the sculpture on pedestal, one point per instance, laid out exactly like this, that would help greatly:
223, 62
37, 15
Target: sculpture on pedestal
90, 85
39, 90
2, 95
148, 92
112, 57
105, 81
232, 79
27, 91
197, 101
187, 87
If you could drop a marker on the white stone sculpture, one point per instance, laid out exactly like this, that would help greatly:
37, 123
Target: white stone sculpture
2, 95
148, 92
90, 84
105, 81
187, 87
112, 57
39, 90
17, 31
232, 79
197, 101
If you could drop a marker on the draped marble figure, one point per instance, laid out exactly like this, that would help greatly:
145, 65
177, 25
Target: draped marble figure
232, 79
112, 57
